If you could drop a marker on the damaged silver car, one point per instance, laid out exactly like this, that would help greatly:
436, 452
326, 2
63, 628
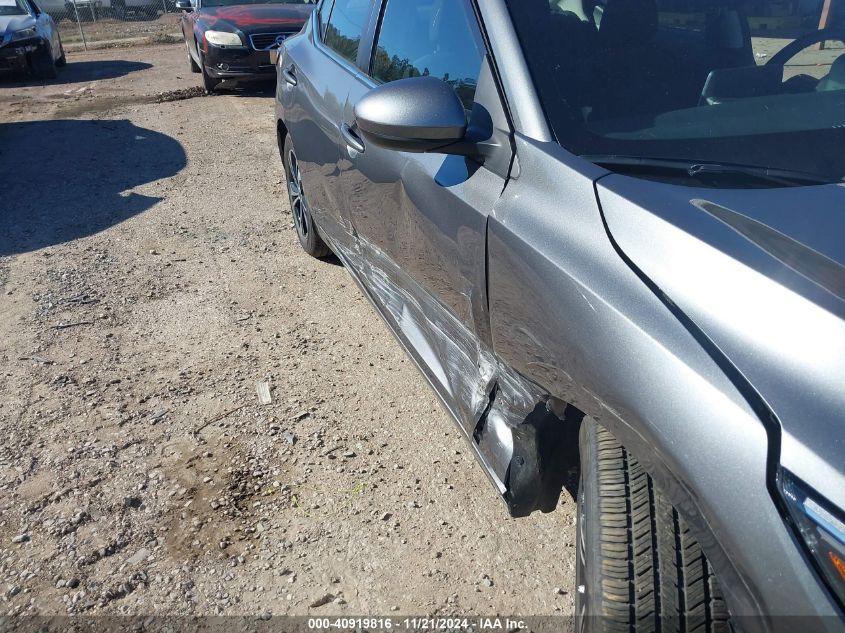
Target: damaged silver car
610, 234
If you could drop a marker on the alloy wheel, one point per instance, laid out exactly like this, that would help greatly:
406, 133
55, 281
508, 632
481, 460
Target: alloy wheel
298, 206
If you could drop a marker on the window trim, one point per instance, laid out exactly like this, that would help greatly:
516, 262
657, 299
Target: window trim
352, 66
318, 20
484, 42
480, 39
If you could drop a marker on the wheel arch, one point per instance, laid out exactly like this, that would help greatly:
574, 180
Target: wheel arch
570, 316
281, 134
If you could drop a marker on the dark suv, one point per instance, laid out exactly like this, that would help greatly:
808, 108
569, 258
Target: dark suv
616, 225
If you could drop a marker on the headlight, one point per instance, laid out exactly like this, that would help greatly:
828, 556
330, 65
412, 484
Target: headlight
23, 34
822, 529
222, 38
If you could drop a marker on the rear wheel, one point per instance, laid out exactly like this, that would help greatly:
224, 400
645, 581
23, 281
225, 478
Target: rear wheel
638, 566
307, 233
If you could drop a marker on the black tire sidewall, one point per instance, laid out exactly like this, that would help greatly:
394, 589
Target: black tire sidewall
45, 65
588, 534
62, 60
209, 83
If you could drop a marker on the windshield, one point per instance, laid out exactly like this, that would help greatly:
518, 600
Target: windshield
232, 3
758, 83
13, 7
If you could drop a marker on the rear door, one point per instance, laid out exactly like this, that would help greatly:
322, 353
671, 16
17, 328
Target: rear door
421, 218
318, 70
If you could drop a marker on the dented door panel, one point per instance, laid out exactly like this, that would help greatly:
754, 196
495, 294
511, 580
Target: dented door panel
427, 214
504, 417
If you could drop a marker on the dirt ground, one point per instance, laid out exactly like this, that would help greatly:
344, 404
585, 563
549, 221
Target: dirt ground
150, 277
107, 31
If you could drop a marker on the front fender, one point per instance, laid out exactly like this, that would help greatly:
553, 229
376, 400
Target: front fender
569, 314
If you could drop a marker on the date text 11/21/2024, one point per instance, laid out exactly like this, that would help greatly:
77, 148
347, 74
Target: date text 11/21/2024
416, 623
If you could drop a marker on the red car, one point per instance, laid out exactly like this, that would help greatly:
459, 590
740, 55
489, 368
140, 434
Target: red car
232, 39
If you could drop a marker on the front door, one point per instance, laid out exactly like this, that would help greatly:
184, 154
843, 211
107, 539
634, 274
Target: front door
421, 218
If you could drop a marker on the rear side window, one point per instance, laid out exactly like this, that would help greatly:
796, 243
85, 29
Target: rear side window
439, 38
345, 26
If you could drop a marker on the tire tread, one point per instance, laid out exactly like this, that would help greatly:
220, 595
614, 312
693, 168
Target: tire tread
654, 576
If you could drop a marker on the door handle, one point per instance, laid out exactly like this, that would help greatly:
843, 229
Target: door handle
352, 139
289, 76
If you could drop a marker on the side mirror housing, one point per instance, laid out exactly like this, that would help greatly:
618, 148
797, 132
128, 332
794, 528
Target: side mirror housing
184, 5
419, 114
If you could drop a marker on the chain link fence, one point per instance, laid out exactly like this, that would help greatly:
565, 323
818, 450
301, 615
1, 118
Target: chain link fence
97, 23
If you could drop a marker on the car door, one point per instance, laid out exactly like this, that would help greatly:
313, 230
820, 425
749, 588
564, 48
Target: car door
421, 218
317, 72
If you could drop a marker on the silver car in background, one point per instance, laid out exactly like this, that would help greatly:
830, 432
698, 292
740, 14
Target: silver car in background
29, 40
611, 234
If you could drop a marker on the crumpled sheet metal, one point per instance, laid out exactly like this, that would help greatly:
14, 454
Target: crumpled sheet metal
487, 399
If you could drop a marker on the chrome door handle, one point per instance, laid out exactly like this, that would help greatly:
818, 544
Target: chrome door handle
289, 76
352, 139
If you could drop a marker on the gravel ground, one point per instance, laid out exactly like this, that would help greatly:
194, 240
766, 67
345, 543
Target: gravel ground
150, 277
109, 31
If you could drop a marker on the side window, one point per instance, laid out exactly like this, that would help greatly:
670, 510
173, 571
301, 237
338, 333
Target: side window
439, 38
346, 24
323, 16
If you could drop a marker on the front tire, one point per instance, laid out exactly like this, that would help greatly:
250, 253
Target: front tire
638, 566
62, 60
306, 231
209, 83
45, 65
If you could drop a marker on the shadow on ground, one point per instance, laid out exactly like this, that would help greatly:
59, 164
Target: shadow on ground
82, 72
264, 88
63, 180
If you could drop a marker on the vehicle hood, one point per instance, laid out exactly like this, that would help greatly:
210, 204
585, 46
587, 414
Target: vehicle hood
761, 273
253, 18
11, 23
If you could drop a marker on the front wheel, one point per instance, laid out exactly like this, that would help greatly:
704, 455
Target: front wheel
62, 60
638, 566
307, 233
209, 83
45, 65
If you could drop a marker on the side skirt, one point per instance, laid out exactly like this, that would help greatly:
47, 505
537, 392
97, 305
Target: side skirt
522, 438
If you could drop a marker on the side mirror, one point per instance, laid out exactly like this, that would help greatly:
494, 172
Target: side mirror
419, 114
184, 5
